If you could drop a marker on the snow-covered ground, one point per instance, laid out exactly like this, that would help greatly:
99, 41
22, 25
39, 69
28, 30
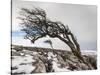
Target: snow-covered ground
55, 63
57, 69
57, 44
27, 61
89, 52
23, 64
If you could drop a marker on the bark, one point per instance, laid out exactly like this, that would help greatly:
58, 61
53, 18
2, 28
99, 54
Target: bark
76, 51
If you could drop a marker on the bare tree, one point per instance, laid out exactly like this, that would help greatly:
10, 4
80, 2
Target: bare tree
36, 25
49, 42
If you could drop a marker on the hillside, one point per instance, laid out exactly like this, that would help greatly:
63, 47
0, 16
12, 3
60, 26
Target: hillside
28, 60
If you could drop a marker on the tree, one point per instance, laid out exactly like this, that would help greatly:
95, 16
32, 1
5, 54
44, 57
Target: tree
49, 42
36, 25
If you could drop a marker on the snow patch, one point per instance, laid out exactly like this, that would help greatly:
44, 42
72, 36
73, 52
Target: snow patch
57, 69
89, 52
23, 64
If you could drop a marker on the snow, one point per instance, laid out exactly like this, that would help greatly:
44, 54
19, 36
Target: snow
40, 43
23, 63
27, 66
55, 63
57, 69
21, 53
24, 68
89, 52
51, 55
13, 50
35, 53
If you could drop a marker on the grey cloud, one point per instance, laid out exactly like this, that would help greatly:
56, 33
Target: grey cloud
81, 19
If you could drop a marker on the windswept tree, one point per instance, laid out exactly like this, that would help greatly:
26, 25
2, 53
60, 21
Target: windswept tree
36, 25
49, 42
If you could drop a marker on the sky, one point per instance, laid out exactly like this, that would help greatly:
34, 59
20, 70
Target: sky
81, 19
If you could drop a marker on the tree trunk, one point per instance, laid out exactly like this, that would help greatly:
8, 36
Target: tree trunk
76, 52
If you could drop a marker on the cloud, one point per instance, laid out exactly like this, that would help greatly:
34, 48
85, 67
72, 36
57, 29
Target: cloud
81, 19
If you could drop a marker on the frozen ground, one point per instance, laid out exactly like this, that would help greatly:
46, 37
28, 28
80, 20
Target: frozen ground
89, 52
22, 64
27, 61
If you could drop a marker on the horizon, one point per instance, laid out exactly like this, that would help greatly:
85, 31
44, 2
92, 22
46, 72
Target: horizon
18, 39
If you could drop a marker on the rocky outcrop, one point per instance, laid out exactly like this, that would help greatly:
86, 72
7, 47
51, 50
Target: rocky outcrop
47, 60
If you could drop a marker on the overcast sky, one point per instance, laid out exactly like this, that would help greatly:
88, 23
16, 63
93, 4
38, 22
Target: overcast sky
81, 19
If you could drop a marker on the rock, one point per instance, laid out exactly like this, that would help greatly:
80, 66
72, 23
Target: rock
47, 60
40, 67
61, 61
92, 60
